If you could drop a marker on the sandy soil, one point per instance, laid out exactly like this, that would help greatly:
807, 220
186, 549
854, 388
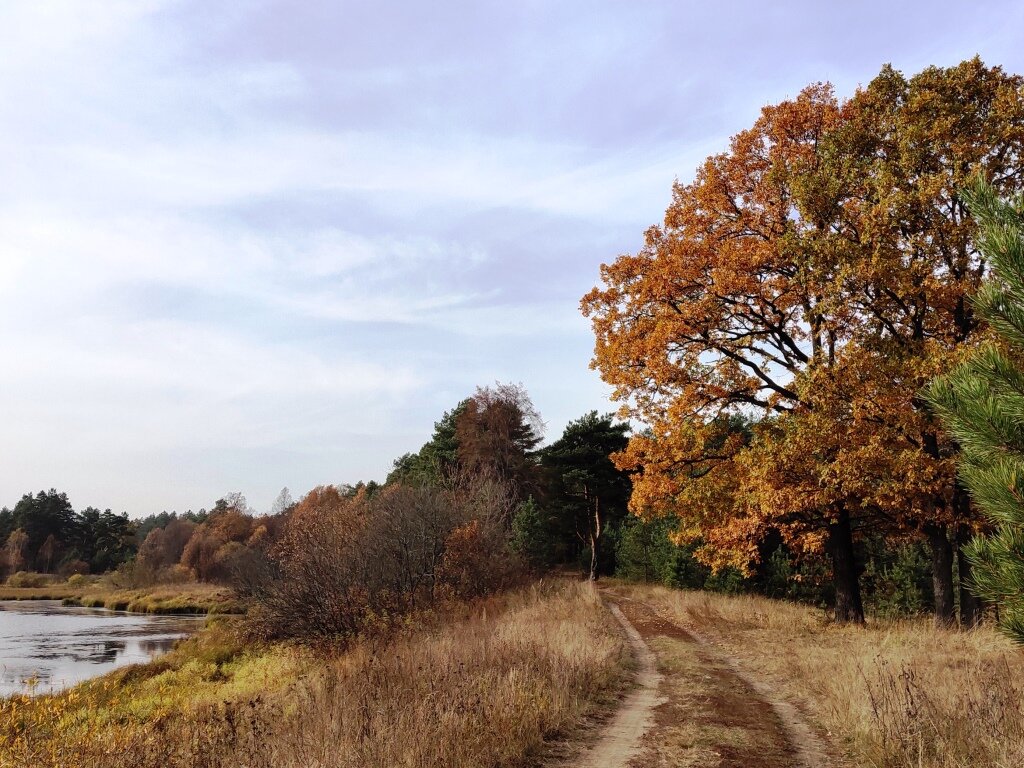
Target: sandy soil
694, 706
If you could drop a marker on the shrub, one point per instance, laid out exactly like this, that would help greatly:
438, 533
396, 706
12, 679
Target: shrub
344, 563
24, 579
476, 562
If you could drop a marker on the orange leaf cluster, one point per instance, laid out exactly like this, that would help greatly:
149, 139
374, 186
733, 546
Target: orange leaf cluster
808, 283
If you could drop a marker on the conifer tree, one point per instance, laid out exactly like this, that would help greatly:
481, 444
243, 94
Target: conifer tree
982, 403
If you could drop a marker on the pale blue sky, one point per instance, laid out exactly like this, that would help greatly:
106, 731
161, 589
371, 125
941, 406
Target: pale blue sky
253, 244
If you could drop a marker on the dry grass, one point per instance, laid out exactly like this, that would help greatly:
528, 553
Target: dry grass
893, 694
46, 592
167, 599
481, 690
95, 592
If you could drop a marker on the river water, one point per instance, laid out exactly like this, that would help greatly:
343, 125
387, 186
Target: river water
57, 646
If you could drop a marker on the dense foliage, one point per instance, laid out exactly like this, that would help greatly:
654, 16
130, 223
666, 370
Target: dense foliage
810, 281
44, 533
982, 402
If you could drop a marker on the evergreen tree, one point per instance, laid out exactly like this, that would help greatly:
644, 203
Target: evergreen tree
982, 404
436, 458
586, 493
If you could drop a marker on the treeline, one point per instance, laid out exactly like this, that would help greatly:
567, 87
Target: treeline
475, 510
775, 333
44, 533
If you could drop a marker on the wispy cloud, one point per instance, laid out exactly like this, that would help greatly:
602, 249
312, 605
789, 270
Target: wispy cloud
253, 244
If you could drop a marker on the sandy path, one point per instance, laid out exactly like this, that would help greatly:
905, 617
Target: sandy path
706, 711
713, 712
620, 739
808, 748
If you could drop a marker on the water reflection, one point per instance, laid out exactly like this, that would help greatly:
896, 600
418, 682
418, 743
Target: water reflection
56, 646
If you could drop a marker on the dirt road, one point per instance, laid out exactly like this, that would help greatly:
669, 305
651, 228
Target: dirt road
695, 707
620, 740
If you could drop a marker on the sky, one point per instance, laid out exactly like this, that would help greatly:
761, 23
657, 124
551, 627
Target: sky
251, 245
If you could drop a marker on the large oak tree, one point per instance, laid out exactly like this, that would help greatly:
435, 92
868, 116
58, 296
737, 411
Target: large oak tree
811, 279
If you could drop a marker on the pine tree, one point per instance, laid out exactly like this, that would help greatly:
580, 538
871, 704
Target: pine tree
982, 404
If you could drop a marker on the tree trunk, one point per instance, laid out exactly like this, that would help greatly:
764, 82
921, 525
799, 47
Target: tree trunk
942, 575
595, 534
849, 608
970, 605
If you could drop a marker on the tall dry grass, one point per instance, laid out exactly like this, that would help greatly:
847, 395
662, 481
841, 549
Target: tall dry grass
894, 694
482, 690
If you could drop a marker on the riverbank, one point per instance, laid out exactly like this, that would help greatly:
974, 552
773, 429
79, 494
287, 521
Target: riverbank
163, 599
172, 599
486, 685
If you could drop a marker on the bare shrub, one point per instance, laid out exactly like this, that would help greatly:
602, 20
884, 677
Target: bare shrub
346, 563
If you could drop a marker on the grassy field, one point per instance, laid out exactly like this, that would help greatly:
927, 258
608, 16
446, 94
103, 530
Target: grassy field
481, 689
164, 598
893, 694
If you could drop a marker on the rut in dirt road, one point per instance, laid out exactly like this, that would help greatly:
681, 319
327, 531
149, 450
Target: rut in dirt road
620, 741
712, 714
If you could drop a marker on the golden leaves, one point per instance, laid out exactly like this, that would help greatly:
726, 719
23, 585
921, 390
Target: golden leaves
810, 279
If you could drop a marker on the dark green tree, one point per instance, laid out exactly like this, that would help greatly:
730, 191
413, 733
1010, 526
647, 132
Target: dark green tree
438, 456
982, 404
45, 514
586, 493
106, 539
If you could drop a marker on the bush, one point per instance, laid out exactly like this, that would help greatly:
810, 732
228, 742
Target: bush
77, 580
24, 579
345, 563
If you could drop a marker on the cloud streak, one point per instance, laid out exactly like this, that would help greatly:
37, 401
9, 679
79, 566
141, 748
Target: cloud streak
250, 245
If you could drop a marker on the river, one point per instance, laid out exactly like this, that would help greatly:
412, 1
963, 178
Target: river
57, 646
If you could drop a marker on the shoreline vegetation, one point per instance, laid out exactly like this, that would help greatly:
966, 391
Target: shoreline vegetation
492, 683
161, 599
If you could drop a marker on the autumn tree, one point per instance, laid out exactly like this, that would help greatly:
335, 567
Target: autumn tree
497, 432
208, 552
811, 279
15, 551
982, 402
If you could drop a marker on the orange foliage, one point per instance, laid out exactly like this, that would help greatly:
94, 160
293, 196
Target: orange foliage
809, 281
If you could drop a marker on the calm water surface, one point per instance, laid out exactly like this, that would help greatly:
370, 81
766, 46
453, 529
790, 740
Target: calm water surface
59, 645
